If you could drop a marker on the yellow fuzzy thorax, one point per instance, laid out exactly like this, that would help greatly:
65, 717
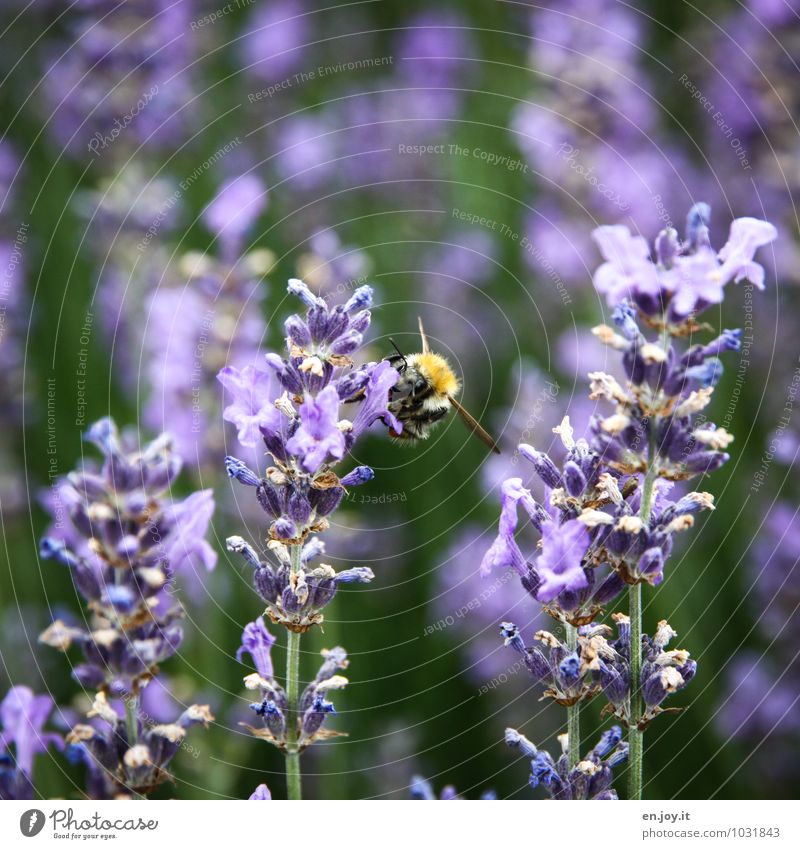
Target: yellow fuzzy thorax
436, 370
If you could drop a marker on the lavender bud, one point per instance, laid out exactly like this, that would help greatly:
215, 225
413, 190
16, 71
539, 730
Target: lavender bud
614, 684
688, 671
301, 290
728, 340
337, 324
544, 466
91, 487
667, 247
707, 374
537, 664
265, 583
421, 789
574, 480
351, 383
360, 475
608, 741
298, 508
624, 316
697, 226
356, 575
238, 469
694, 502
347, 343
703, 462
323, 593
520, 741
283, 528
651, 563
238, 545
269, 499
624, 631
127, 547
361, 299
570, 667
313, 548
315, 715
56, 549
317, 323
104, 435
297, 331
290, 602
609, 588
287, 376
512, 637
634, 436
653, 690
272, 715
121, 597
543, 771
325, 501
361, 321
619, 756
88, 675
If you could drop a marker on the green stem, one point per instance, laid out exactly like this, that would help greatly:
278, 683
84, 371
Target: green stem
293, 777
132, 718
573, 711
635, 708
635, 735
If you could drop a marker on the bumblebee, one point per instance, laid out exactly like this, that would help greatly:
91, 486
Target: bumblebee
425, 392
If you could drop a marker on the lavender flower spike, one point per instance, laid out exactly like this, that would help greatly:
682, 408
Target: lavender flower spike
607, 519
306, 437
126, 541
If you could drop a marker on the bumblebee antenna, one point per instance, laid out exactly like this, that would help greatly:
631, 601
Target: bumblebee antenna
399, 353
425, 346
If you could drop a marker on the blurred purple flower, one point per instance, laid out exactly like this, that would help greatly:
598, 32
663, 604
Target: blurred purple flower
475, 606
124, 77
305, 150
435, 49
204, 318
234, 210
23, 716
274, 41
761, 701
188, 547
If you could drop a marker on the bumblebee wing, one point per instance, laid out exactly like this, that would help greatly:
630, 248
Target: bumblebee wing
473, 424
425, 346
